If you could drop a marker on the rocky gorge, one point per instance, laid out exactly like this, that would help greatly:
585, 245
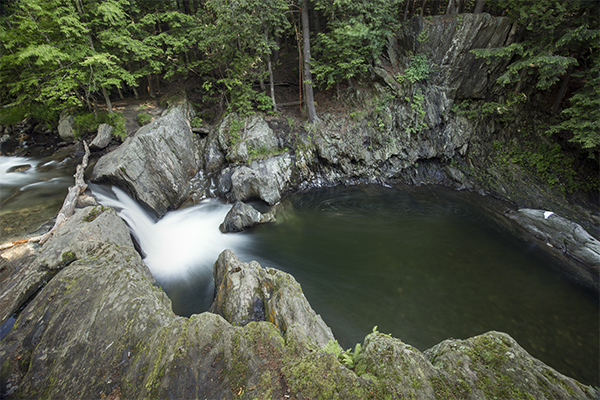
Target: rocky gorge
91, 310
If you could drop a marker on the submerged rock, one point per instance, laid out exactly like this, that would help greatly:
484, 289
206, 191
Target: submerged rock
243, 216
19, 168
156, 164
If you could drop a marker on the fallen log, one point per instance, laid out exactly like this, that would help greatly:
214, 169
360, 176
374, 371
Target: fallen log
8, 245
75, 191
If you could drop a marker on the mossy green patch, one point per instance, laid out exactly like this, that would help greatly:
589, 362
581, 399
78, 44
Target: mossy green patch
67, 258
94, 213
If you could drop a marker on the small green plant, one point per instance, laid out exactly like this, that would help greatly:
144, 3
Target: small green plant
349, 358
419, 68
144, 118
196, 122
264, 102
117, 120
264, 152
423, 36
12, 115
235, 131
85, 123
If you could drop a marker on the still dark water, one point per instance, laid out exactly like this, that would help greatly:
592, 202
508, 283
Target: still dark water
426, 264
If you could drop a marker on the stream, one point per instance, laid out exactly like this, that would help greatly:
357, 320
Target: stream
421, 263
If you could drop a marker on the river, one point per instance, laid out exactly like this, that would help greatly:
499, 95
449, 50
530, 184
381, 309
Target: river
421, 263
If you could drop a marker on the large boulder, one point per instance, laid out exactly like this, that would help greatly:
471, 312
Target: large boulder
240, 138
66, 129
246, 292
88, 230
243, 216
265, 179
103, 137
156, 164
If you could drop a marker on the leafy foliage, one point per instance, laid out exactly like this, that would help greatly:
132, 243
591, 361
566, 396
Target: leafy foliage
559, 37
357, 32
418, 69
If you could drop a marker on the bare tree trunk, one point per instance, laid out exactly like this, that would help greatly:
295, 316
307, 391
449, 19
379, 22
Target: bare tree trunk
272, 83
422, 7
451, 9
479, 7
261, 81
436, 5
107, 100
270, 68
308, 90
316, 21
406, 10
460, 6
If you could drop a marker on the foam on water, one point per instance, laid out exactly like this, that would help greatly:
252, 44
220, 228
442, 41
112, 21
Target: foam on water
182, 243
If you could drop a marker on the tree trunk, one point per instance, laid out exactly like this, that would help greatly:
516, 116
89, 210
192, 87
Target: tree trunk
479, 7
436, 6
460, 6
107, 100
406, 10
561, 93
451, 9
150, 86
308, 90
270, 68
316, 21
422, 7
271, 83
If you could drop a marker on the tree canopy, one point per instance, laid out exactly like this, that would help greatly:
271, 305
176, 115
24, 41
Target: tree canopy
75, 53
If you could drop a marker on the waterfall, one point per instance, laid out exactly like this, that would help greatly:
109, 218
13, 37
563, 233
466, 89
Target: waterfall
183, 242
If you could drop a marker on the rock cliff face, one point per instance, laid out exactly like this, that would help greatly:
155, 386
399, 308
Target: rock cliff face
101, 328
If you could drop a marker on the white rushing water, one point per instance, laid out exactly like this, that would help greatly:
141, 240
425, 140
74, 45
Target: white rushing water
182, 243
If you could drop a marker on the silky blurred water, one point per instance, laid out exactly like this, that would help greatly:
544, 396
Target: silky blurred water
33, 196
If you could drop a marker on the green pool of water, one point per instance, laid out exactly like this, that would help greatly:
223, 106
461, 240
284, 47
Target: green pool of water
427, 264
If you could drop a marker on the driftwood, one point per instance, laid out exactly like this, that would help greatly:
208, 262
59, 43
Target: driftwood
8, 245
68, 207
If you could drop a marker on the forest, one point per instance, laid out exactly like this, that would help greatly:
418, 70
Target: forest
76, 54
